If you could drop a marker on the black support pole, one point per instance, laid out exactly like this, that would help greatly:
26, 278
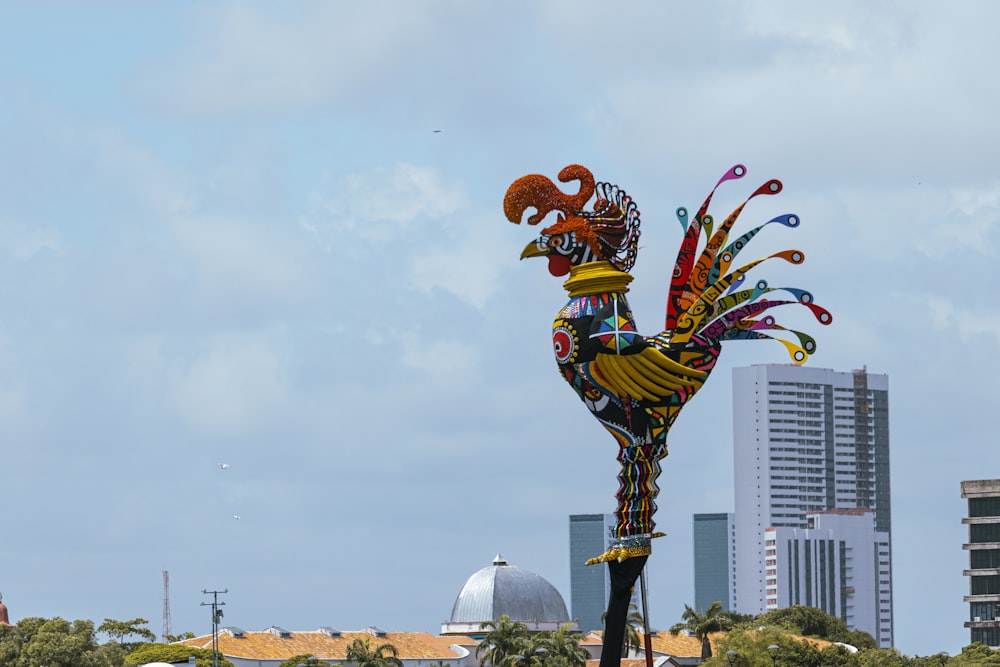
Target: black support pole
623, 577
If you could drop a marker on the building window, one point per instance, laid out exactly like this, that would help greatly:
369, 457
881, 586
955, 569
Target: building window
984, 559
988, 636
986, 586
984, 532
984, 611
984, 507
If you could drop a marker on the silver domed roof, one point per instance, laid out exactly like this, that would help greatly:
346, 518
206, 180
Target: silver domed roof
504, 589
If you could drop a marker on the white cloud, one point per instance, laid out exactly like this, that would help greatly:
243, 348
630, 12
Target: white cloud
964, 227
472, 277
231, 389
284, 57
968, 324
232, 257
22, 241
442, 357
379, 204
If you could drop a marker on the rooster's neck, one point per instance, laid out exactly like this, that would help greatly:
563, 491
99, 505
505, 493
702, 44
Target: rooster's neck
596, 278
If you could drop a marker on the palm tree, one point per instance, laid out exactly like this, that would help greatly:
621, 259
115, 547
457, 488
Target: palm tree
565, 643
715, 619
362, 654
633, 622
505, 639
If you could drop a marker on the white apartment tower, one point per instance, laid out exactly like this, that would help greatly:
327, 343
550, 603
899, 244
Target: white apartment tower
808, 441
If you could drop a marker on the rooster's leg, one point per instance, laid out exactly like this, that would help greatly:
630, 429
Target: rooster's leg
637, 492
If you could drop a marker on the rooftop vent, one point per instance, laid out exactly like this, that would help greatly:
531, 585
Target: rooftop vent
279, 632
329, 632
233, 631
376, 632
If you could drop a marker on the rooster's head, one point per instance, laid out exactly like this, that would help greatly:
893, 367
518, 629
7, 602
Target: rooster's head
609, 232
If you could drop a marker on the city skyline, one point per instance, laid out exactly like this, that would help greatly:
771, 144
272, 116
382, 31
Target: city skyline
263, 324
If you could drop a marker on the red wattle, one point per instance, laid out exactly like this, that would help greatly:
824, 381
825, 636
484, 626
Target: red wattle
559, 265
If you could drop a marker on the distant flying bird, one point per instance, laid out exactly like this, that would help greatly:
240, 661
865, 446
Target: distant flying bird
437, 131
236, 516
223, 466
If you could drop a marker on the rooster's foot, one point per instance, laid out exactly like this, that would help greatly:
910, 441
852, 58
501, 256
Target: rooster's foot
630, 546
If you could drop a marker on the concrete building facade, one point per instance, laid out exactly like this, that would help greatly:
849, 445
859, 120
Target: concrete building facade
983, 520
828, 563
807, 440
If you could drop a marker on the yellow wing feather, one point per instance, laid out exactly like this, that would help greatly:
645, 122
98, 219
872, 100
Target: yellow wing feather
649, 375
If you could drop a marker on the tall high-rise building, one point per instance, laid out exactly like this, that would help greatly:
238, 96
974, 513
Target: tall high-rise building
984, 560
714, 561
590, 536
808, 440
588, 584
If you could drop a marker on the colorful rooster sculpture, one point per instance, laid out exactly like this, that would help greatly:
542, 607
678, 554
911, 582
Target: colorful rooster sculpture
636, 385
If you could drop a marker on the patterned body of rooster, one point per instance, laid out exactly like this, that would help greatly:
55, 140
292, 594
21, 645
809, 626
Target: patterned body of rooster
636, 385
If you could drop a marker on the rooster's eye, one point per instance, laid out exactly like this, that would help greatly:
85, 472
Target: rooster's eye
561, 242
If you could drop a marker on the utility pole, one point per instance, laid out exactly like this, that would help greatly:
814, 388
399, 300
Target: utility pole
216, 615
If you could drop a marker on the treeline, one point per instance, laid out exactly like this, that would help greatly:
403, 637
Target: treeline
56, 642
780, 638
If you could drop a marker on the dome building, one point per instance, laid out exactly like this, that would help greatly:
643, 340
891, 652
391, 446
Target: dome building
503, 589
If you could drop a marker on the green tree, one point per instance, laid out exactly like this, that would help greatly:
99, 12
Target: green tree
975, 654
877, 657
751, 649
362, 654
715, 619
505, 638
563, 643
857, 639
119, 630
13, 638
59, 643
806, 621
813, 622
935, 660
170, 639
304, 659
535, 652
172, 653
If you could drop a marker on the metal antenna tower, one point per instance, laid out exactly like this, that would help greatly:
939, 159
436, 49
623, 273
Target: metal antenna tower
166, 605
216, 615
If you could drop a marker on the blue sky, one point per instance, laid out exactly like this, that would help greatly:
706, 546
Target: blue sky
229, 232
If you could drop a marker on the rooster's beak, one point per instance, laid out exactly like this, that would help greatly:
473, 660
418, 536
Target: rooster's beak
532, 250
